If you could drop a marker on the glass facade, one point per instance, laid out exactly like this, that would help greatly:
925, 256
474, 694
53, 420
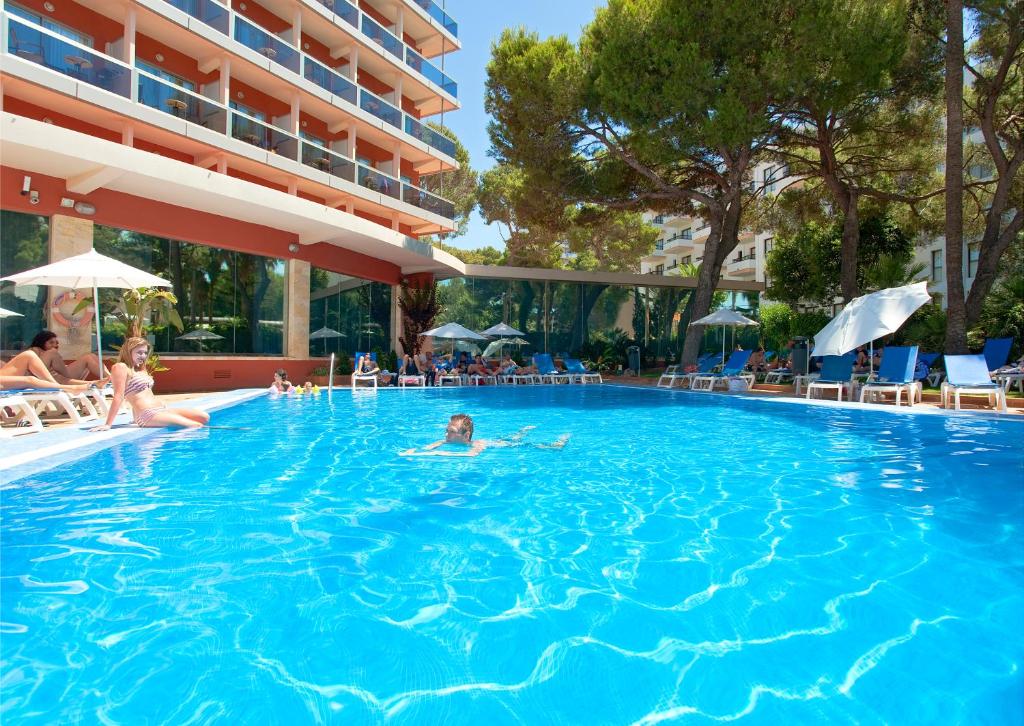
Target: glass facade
24, 245
587, 320
360, 310
235, 295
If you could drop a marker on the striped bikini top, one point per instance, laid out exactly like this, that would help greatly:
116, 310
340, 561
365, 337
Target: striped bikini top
138, 382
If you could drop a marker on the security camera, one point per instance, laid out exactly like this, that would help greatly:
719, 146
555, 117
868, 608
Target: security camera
26, 185
33, 197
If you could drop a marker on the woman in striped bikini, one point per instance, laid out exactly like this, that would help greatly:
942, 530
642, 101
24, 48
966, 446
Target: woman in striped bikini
133, 384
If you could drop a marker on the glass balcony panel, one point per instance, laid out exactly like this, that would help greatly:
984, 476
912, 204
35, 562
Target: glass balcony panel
33, 44
178, 102
270, 46
326, 160
264, 136
428, 136
439, 15
380, 108
421, 65
213, 14
329, 80
425, 200
343, 9
372, 30
373, 179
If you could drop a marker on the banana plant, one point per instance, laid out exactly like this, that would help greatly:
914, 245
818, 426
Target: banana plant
150, 305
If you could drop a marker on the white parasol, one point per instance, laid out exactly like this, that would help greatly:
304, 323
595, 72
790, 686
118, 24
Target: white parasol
90, 269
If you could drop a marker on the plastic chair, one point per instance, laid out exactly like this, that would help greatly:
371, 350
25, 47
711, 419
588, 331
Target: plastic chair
733, 369
370, 377
969, 374
896, 374
836, 374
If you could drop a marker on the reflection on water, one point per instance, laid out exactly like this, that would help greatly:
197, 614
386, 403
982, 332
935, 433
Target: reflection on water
683, 555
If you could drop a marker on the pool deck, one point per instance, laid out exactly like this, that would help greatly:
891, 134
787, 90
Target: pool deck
61, 442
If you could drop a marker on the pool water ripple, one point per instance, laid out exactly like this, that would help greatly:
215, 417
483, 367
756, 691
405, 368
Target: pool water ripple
684, 557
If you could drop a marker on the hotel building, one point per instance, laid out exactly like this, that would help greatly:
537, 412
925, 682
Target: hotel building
264, 155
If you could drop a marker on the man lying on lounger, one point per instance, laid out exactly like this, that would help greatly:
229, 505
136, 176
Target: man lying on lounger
460, 431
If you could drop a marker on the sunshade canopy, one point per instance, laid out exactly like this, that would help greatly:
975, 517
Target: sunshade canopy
869, 317
724, 317
325, 333
200, 334
453, 331
502, 330
87, 270
5, 313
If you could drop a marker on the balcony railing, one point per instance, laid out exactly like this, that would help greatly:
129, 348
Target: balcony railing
329, 80
374, 104
47, 49
169, 98
326, 160
419, 64
266, 44
213, 14
427, 135
392, 43
439, 15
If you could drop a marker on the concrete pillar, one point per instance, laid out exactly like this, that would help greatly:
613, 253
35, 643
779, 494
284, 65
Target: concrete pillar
225, 81
296, 32
296, 309
295, 110
129, 36
69, 236
353, 64
396, 321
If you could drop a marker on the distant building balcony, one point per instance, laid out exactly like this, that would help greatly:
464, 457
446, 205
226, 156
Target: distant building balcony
742, 265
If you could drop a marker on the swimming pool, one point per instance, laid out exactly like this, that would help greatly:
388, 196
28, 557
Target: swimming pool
685, 556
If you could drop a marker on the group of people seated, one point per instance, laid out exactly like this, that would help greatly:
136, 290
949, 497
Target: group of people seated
41, 366
432, 367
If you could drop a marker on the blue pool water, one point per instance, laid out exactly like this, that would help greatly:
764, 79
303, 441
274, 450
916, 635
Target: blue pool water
685, 557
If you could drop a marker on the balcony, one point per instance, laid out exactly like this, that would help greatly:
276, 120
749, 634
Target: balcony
79, 63
434, 11
393, 45
742, 265
268, 45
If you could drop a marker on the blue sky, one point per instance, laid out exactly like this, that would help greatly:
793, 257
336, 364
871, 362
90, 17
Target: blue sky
480, 23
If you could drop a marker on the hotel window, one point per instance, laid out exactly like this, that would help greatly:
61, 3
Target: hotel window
248, 111
660, 219
973, 254
937, 275
769, 244
769, 177
23, 246
165, 75
688, 260
659, 269
58, 28
306, 136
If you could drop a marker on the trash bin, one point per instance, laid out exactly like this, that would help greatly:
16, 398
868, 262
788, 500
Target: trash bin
799, 356
633, 355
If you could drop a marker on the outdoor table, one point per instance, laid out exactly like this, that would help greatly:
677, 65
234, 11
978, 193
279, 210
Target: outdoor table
176, 105
80, 63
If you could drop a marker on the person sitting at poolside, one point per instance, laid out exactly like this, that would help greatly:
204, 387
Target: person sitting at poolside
46, 345
27, 370
425, 365
756, 361
478, 367
133, 383
281, 384
460, 431
366, 365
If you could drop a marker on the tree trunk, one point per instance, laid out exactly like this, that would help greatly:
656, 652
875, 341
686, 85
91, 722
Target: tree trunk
588, 295
956, 311
848, 251
721, 242
993, 244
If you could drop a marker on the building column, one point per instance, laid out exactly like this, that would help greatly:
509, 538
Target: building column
69, 236
396, 321
296, 31
296, 309
129, 36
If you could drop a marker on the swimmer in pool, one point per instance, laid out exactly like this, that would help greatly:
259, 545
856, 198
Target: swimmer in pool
460, 431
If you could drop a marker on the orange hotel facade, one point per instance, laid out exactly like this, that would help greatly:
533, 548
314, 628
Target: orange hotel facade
290, 129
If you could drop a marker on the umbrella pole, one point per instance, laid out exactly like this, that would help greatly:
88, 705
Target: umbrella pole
723, 345
99, 338
871, 359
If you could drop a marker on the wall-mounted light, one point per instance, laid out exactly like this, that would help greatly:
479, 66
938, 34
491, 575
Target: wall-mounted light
67, 202
293, 248
48, 7
305, 46
303, 124
47, 120
85, 208
240, 94
159, 57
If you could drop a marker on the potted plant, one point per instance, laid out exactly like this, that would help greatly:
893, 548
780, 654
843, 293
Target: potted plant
319, 376
152, 307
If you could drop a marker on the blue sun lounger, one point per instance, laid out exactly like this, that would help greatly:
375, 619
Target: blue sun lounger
836, 374
969, 374
997, 352
578, 371
896, 374
733, 369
